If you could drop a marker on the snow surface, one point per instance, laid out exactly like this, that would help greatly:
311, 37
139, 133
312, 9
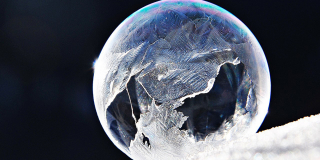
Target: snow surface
297, 140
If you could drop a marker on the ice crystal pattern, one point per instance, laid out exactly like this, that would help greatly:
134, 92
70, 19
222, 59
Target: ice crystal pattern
178, 78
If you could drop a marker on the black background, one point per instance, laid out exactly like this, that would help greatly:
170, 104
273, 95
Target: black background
47, 49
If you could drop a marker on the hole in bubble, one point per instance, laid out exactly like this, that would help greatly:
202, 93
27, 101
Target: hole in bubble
120, 110
158, 103
207, 112
145, 140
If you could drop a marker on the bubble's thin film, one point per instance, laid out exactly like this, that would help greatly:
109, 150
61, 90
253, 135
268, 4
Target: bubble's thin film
178, 77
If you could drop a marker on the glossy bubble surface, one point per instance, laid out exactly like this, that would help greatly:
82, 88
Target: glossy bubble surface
178, 78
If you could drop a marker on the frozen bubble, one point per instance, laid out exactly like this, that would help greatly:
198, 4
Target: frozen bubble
178, 77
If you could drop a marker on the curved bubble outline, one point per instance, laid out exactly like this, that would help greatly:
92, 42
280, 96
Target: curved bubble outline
210, 8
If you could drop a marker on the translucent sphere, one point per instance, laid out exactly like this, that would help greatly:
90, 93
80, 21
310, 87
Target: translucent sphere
177, 78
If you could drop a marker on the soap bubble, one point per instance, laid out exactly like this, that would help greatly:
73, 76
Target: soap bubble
178, 78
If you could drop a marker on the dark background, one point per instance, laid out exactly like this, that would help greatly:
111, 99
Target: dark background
47, 48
